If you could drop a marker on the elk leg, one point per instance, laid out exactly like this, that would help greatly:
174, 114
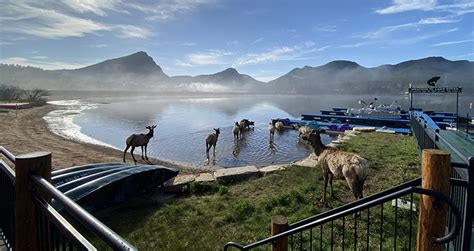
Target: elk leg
143, 158
146, 155
208, 147
131, 151
325, 176
125, 152
214, 148
330, 184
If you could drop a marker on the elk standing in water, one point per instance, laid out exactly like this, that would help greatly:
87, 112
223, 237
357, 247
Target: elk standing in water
141, 140
236, 130
211, 141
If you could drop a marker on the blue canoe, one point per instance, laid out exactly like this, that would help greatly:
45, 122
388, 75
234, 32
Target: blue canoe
98, 186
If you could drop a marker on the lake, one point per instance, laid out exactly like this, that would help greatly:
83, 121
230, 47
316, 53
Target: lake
184, 121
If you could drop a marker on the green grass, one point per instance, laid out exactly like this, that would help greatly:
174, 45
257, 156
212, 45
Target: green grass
209, 215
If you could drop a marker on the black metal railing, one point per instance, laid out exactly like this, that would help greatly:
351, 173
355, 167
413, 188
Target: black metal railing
387, 220
53, 231
7, 201
81, 215
464, 124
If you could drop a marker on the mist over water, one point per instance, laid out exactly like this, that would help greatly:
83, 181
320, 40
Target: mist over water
184, 121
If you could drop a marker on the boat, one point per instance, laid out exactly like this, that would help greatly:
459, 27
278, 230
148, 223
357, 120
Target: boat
98, 186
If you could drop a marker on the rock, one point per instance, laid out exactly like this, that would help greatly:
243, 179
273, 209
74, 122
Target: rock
364, 129
205, 177
311, 161
269, 169
385, 131
177, 183
337, 141
237, 173
331, 145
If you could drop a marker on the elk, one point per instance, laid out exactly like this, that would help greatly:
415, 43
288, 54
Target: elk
211, 141
141, 140
341, 165
236, 130
271, 130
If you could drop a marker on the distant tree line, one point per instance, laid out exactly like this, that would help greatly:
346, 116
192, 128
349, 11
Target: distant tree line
35, 97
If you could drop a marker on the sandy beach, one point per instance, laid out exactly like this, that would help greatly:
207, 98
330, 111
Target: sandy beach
28, 132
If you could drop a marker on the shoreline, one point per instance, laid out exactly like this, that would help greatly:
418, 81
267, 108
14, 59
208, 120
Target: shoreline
29, 132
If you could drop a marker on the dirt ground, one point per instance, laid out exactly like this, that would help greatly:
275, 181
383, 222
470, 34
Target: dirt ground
28, 132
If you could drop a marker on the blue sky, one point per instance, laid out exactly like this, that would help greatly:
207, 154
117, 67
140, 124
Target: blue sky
262, 38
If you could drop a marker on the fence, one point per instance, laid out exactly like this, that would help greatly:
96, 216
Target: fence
32, 223
375, 222
429, 136
465, 124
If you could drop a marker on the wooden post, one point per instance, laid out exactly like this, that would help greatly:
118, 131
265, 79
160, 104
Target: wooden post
25, 217
279, 224
436, 165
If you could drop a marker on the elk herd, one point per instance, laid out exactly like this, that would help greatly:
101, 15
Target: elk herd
334, 163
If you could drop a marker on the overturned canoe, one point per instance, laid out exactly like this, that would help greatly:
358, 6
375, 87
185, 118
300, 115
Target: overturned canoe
98, 186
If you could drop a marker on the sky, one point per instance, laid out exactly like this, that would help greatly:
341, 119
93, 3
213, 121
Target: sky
262, 38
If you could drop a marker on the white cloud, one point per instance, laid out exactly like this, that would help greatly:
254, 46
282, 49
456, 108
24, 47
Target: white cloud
41, 20
258, 40
465, 55
355, 45
279, 54
408, 5
169, 9
188, 44
459, 8
386, 31
97, 45
41, 63
327, 28
182, 64
130, 31
98, 7
209, 57
46, 23
454, 42
438, 20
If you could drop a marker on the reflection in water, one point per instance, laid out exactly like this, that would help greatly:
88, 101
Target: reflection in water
183, 123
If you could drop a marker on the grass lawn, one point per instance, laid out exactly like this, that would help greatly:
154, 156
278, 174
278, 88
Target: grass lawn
209, 215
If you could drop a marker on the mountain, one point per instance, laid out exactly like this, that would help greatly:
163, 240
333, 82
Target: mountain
226, 80
139, 71
132, 72
135, 64
349, 77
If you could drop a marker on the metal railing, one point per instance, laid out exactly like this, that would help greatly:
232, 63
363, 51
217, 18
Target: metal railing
365, 224
53, 231
429, 136
464, 124
7, 203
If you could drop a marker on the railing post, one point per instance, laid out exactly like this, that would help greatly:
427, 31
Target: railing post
436, 165
38, 163
279, 224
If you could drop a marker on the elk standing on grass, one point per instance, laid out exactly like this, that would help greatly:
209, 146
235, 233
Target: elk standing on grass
341, 165
211, 141
141, 140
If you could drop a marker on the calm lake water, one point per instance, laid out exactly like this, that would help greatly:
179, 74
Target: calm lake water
183, 123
